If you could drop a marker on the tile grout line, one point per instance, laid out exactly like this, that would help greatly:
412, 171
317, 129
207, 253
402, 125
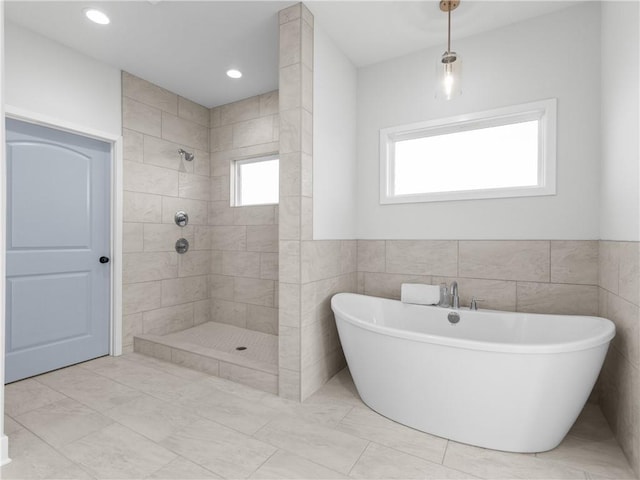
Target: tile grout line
369, 442
444, 454
344, 416
14, 417
135, 388
421, 458
263, 463
58, 448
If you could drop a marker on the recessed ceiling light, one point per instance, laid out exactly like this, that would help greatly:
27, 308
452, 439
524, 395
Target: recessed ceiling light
233, 73
96, 16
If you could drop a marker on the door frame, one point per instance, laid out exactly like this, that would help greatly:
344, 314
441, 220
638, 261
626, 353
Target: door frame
116, 208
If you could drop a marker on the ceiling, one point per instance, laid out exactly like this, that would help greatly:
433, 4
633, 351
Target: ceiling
187, 46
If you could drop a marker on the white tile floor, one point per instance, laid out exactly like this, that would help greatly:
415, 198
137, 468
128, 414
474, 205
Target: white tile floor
138, 417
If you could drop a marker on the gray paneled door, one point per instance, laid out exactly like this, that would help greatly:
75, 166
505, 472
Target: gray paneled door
58, 220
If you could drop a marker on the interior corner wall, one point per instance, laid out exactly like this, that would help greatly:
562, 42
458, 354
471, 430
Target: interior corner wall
334, 140
4, 442
620, 167
56, 82
551, 56
619, 258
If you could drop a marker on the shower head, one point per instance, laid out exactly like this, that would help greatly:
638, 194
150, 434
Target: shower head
185, 155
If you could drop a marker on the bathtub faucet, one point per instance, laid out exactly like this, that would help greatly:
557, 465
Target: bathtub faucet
455, 299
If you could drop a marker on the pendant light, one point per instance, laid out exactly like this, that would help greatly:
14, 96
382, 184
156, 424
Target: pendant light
449, 66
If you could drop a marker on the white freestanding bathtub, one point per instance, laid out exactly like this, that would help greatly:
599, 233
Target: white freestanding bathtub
501, 380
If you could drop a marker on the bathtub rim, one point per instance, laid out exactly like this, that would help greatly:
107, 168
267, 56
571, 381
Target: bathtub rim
607, 334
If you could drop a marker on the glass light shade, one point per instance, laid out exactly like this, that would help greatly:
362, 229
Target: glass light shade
96, 16
449, 70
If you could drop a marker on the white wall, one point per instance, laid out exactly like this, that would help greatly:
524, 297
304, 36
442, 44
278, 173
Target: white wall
557, 55
334, 141
620, 170
60, 86
49, 79
4, 443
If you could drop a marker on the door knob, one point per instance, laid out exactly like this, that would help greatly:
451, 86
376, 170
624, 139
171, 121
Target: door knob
104, 259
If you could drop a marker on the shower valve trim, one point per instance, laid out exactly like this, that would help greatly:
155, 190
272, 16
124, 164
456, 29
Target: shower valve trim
185, 155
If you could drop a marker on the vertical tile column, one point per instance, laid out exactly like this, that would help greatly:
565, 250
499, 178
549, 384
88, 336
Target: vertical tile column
311, 271
296, 150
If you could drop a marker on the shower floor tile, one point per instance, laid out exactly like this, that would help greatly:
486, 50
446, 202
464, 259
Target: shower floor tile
259, 347
235, 353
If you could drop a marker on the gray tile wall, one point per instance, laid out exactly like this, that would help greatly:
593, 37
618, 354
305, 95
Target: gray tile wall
523, 276
619, 282
328, 267
163, 291
244, 240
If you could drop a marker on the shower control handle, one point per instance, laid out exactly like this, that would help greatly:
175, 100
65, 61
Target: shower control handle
104, 259
182, 245
181, 218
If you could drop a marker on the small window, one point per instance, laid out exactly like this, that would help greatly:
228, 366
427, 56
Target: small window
509, 152
256, 181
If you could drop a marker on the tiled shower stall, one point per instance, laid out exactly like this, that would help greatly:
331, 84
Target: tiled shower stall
243, 261
229, 274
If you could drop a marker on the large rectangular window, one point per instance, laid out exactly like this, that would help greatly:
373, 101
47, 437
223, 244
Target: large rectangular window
509, 152
256, 181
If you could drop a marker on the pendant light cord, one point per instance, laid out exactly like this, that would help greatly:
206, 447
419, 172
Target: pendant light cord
449, 28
